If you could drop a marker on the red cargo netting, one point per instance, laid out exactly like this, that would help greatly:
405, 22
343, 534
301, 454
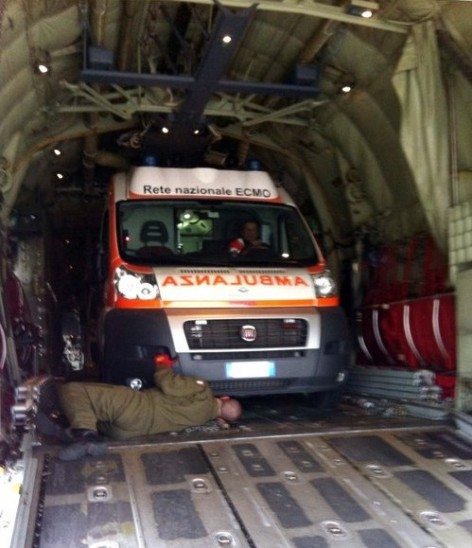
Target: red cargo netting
407, 320
414, 334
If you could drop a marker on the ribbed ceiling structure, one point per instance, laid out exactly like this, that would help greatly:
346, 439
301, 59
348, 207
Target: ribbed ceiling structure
231, 80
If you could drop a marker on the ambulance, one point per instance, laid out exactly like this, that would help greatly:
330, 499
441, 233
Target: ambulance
176, 293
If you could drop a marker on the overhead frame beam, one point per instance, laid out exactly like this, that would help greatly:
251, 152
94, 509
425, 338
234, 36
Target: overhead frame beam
310, 8
216, 59
93, 76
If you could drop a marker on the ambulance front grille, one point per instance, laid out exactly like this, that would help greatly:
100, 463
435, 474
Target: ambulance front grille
228, 334
249, 385
251, 355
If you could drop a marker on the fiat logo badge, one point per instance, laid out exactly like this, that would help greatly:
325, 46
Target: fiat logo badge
248, 333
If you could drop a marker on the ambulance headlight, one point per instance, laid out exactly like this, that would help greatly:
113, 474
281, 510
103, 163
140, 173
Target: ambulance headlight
135, 285
324, 283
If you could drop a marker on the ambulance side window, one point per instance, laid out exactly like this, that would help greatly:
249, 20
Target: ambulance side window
293, 241
298, 240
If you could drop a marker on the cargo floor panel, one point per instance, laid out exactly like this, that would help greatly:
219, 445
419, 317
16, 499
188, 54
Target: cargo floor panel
331, 504
85, 502
367, 488
428, 473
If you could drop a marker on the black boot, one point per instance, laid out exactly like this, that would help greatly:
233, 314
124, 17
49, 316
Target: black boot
52, 425
86, 442
48, 419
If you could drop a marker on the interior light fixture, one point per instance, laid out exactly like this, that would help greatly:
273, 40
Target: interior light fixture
59, 175
362, 8
41, 61
57, 152
165, 129
196, 131
346, 88
226, 39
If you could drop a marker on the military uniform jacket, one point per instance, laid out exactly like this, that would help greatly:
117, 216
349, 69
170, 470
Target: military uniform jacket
177, 402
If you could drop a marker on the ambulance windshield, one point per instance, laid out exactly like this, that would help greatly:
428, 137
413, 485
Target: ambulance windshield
213, 233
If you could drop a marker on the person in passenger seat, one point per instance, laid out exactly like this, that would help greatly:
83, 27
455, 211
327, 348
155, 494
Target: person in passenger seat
250, 239
177, 402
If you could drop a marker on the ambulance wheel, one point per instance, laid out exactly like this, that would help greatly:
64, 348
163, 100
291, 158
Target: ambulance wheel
105, 365
326, 401
105, 374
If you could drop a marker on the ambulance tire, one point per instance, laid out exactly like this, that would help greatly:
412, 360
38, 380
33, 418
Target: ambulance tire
105, 375
105, 366
326, 401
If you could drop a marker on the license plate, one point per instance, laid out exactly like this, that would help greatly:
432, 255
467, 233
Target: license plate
254, 369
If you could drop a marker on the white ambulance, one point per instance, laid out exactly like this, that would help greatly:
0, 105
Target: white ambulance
183, 287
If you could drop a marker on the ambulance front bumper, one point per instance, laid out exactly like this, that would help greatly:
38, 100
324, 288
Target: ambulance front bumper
133, 338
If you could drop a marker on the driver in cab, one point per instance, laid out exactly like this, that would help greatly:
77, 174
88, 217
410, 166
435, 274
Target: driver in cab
250, 239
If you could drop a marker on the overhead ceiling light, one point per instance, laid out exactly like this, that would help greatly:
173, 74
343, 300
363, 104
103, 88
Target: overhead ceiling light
41, 61
59, 175
57, 151
346, 88
362, 8
165, 129
196, 131
226, 39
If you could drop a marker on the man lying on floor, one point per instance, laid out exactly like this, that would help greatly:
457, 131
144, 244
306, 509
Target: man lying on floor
120, 413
